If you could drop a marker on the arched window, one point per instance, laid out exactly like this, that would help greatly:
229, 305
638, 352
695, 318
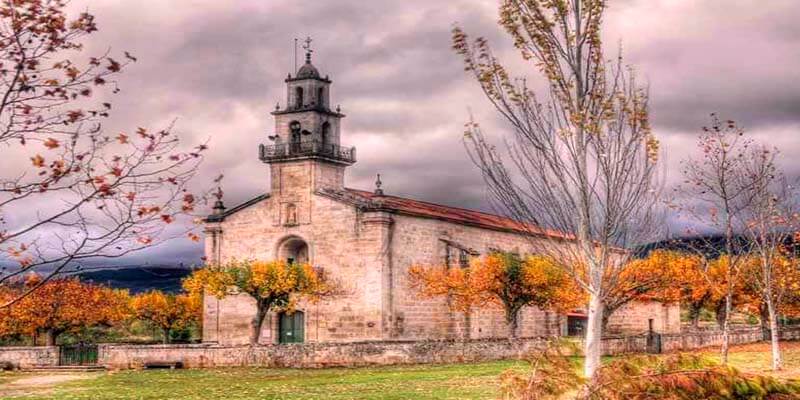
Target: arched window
293, 250
326, 133
298, 97
294, 136
321, 97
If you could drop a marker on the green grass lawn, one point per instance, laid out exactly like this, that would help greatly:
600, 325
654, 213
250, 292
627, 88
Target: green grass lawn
458, 381
463, 381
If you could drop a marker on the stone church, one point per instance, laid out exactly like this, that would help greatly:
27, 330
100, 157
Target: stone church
365, 239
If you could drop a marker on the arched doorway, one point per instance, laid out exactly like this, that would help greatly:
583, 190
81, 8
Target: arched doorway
291, 327
293, 250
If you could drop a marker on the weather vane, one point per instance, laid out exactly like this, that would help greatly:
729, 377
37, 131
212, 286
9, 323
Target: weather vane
378, 184
307, 48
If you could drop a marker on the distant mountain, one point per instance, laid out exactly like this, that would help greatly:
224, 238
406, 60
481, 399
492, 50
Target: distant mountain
138, 279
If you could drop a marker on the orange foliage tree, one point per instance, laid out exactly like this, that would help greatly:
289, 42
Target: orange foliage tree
499, 279
275, 285
166, 311
646, 279
63, 305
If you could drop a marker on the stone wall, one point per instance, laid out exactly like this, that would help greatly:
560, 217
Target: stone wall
317, 355
337, 242
635, 317
673, 342
320, 355
29, 356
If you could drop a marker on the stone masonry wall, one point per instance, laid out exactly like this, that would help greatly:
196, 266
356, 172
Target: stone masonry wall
635, 317
29, 356
347, 250
316, 355
424, 241
319, 355
420, 241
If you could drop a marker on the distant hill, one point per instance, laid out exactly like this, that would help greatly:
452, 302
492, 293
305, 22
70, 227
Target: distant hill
138, 279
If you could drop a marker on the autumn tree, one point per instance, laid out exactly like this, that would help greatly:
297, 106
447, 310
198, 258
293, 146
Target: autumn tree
165, 311
275, 286
579, 170
64, 305
771, 221
651, 278
107, 194
499, 279
718, 188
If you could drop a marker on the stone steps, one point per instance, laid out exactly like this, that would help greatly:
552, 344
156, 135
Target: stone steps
66, 368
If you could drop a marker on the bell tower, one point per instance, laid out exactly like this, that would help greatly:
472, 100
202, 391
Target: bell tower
305, 152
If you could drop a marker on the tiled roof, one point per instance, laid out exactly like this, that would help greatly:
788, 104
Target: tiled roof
453, 214
418, 208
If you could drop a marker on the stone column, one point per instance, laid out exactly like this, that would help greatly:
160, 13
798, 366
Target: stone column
378, 226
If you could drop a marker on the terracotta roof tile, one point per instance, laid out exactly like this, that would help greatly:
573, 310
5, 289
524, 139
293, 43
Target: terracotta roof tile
452, 214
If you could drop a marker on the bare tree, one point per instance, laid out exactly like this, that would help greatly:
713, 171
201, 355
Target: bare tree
70, 192
718, 189
770, 221
580, 168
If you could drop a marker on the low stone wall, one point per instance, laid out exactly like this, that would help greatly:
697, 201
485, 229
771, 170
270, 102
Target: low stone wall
29, 356
317, 355
672, 342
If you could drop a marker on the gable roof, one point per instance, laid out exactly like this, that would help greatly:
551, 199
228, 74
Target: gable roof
221, 216
417, 208
457, 215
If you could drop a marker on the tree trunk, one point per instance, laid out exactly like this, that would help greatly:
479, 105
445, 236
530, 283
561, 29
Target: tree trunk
258, 320
50, 336
763, 311
512, 321
726, 327
467, 334
606, 315
694, 317
165, 335
594, 332
720, 314
774, 334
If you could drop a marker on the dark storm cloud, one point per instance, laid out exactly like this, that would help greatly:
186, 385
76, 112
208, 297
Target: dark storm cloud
217, 68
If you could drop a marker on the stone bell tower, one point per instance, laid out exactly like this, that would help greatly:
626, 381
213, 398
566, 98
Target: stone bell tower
305, 153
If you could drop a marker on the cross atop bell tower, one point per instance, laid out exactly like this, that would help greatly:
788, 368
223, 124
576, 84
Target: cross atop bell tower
307, 131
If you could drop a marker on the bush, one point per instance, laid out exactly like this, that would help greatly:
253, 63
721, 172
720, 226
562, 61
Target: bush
674, 377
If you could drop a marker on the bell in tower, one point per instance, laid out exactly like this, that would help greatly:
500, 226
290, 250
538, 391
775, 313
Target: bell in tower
305, 154
307, 127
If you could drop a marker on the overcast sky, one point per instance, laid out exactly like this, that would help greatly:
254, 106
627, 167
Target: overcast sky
217, 68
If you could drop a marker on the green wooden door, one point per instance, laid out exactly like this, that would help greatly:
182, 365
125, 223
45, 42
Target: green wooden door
291, 327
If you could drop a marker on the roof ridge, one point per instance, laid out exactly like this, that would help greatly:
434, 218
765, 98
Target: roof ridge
429, 202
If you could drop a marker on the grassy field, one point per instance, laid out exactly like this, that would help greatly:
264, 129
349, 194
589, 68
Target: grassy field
463, 381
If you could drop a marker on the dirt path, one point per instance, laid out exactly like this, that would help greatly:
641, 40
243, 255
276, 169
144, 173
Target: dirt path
28, 384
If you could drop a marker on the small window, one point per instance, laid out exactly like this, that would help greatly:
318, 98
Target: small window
298, 97
321, 97
463, 258
326, 133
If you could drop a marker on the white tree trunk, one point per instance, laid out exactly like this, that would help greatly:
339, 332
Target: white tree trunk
726, 328
774, 334
594, 328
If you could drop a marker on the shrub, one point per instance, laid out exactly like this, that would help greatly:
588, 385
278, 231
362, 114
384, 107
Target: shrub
673, 377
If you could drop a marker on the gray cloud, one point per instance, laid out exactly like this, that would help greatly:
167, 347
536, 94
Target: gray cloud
218, 69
